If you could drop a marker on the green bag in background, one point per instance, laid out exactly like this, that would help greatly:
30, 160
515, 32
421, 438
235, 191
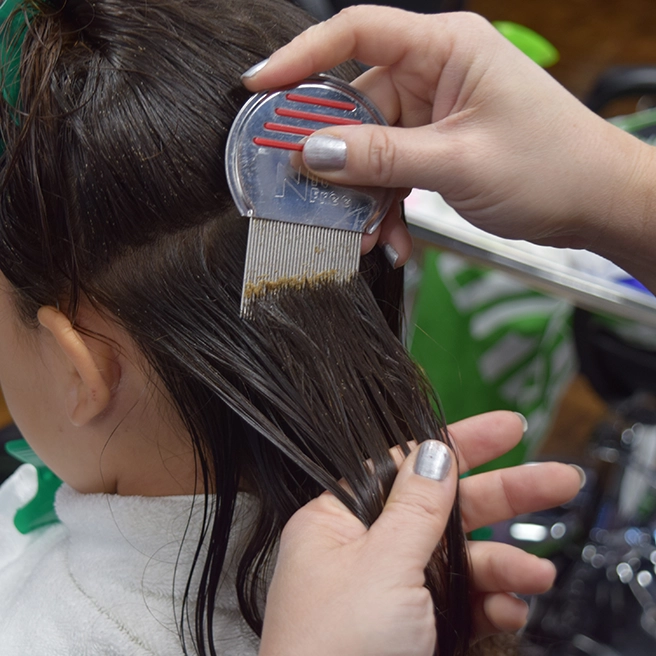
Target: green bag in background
488, 342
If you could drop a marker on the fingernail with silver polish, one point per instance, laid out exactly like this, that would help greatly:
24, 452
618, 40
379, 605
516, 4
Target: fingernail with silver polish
581, 474
524, 421
324, 153
254, 69
433, 460
391, 254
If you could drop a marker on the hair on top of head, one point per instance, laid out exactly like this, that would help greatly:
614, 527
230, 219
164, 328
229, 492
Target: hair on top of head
114, 192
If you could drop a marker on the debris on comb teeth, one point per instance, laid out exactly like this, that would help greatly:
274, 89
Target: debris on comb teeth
305, 232
305, 256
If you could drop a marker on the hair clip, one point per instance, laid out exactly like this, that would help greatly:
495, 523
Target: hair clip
14, 18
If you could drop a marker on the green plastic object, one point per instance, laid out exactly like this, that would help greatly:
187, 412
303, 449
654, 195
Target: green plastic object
641, 124
488, 342
529, 42
40, 511
14, 16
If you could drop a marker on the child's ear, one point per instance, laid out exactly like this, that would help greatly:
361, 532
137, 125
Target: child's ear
92, 371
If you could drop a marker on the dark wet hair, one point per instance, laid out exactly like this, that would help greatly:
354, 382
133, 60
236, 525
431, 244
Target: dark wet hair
113, 192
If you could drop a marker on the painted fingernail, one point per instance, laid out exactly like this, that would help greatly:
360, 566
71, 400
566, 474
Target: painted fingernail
391, 254
433, 460
325, 153
523, 420
251, 72
581, 474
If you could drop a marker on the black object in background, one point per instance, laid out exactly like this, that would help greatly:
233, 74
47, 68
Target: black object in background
615, 368
622, 82
8, 464
323, 9
421, 6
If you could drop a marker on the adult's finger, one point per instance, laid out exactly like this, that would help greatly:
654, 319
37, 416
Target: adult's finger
482, 438
391, 220
378, 85
376, 38
396, 241
479, 439
498, 612
498, 567
378, 156
504, 493
500, 570
418, 507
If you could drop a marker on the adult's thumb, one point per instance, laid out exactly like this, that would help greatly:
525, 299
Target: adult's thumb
376, 156
419, 505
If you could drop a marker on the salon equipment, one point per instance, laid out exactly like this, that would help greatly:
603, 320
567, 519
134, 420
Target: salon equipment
303, 231
555, 271
604, 600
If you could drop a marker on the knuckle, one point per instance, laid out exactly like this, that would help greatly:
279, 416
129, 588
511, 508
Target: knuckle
471, 21
349, 14
296, 525
461, 152
420, 506
507, 493
382, 153
317, 517
303, 521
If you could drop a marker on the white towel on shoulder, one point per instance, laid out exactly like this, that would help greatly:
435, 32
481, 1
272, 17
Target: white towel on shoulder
109, 579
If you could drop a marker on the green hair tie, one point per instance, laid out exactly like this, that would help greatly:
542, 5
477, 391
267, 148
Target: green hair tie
14, 17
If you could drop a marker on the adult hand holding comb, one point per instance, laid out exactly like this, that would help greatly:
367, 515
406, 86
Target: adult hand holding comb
506, 146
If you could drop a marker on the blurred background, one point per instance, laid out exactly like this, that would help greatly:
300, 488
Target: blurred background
579, 364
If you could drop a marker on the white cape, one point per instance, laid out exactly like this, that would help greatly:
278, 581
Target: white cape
102, 581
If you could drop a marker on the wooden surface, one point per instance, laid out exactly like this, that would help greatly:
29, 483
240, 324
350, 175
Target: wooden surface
580, 411
591, 35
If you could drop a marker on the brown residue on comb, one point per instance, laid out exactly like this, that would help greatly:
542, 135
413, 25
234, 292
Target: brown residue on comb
264, 287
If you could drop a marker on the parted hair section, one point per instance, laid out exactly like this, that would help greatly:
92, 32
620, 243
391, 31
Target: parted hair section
114, 194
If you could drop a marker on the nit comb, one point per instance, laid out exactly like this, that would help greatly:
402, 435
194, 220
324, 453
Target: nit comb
303, 230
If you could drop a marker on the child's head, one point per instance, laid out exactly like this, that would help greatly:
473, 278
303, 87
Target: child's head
116, 192
128, 366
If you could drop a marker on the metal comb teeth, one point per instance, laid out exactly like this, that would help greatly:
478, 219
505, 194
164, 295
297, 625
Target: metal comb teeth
306, 255
280, 200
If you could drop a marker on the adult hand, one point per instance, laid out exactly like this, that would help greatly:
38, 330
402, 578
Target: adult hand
341, 589
476, 120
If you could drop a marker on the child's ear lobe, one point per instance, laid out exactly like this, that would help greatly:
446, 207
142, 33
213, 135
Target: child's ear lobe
91, 367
